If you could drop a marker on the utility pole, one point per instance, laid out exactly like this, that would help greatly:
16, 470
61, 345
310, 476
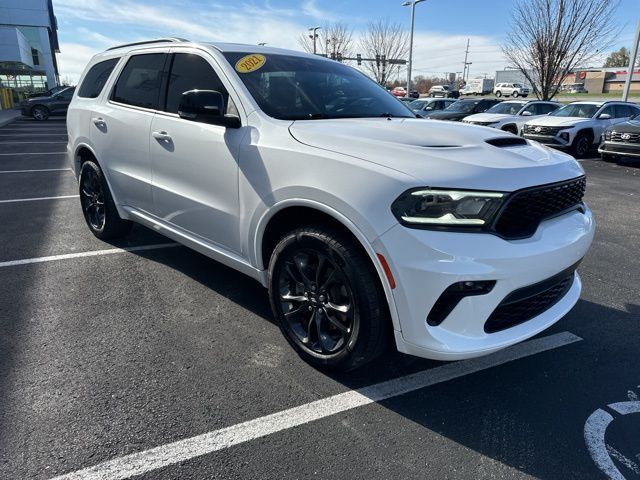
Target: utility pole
411, 4
314, 36
632, 64
464, 70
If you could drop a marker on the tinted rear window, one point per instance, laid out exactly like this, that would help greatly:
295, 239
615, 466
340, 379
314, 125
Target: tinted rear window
96, 77
139, 82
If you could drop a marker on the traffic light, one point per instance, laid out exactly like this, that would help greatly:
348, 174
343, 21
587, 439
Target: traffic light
377, 60
339, 56
359, 59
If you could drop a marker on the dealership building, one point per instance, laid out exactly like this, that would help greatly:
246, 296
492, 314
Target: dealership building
28, 44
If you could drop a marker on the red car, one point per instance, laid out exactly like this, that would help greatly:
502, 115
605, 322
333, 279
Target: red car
399, 92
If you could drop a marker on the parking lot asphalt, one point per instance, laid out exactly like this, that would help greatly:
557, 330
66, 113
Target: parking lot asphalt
103, 357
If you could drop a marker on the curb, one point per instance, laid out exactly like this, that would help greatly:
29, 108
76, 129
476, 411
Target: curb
4, 120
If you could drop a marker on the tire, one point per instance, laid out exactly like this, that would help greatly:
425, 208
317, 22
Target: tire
40, 113
498, 94
515, 94
607, 157
98, 207
581, 145
336, 316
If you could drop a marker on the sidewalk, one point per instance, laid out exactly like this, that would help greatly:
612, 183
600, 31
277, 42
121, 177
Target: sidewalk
8, 115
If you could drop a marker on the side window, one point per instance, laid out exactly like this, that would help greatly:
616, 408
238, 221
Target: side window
139, 82
67, 94
547, 108
608, 110
96, 77
191, 72
624, 111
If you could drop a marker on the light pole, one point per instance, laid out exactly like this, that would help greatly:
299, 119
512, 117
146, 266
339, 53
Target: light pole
412, 4
313, 36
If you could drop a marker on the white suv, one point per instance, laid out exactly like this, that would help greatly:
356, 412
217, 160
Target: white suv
579, 125
511, 115
365, 223
510, 89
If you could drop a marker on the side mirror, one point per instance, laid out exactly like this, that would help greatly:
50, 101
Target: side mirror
206, 106
526, 113
604, 116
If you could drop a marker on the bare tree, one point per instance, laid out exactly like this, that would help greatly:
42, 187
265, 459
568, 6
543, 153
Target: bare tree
386, 39
333, 38
551, 37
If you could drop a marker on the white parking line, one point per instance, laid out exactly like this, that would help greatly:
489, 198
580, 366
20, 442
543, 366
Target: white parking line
37, 170
20, 143
34, 153
16, 200
31, 134
183, 450
92, 253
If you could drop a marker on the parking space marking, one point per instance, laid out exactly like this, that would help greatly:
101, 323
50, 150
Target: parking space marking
91, 253
37, 170
35, 153
16, 200
29, 143
186, 449
32, 134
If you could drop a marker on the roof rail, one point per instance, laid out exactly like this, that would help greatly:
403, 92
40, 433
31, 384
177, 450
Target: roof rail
144, 42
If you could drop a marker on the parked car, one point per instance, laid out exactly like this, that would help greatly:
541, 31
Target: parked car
511, 115
621, 140
406, 100
478, 86
307, 176
463, 108
443, 91
510, 90
414, 94
48, 93
578, 126
427, 105
399, 92
574, 88
41, 108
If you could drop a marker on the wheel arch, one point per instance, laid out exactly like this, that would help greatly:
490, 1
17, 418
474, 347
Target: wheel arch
588, 131
292, 214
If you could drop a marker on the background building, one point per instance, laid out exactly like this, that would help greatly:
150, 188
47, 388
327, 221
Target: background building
28, 43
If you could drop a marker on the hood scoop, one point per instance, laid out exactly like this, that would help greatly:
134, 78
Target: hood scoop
505, 142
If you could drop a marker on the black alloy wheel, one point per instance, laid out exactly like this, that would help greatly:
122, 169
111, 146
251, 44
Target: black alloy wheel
97, 204
581, 145
327, 298
40, 112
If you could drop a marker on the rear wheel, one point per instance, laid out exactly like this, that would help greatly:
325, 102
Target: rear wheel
40, 112
327, 298
581, 145
98, 207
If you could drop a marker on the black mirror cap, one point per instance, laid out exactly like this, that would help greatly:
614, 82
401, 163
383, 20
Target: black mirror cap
206, 106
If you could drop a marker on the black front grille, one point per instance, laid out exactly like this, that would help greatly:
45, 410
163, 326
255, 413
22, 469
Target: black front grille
625, 137
542, 130
525, 209
529, 302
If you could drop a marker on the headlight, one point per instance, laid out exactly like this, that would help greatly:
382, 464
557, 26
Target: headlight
607, 135
431, 207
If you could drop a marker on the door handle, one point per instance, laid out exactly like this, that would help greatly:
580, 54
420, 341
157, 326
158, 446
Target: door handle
162, 136
98, 122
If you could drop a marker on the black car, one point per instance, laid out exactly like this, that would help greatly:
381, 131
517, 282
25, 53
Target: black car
621, 140
425, 106
41, 108
48, 93
462, 108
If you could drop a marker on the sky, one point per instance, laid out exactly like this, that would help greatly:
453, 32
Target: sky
442, 27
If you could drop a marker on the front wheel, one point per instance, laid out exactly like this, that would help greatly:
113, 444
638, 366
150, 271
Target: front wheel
607, 157
498, 94
98, 207
515, 94
581, 145
40, 112
327, 298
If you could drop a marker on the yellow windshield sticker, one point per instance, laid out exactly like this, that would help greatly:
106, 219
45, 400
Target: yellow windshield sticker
250, 63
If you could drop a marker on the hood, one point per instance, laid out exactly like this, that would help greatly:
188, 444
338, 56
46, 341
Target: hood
440, 154
489, 117
447, 115
551, 121
630, 126
38, 99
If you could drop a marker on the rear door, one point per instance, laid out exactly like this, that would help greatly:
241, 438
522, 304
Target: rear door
120, 128
195, 181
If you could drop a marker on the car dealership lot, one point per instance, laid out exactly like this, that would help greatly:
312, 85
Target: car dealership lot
106, 355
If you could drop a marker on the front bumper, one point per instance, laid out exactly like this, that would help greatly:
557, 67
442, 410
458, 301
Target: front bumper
620, 149
549, 140
424, 263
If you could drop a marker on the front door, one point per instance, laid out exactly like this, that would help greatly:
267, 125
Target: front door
195, 168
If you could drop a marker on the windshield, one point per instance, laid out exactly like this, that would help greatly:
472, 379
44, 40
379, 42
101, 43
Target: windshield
462, 106
302, 88
582, 110
508, 108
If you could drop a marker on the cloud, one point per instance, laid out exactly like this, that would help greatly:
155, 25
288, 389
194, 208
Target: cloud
72, 59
